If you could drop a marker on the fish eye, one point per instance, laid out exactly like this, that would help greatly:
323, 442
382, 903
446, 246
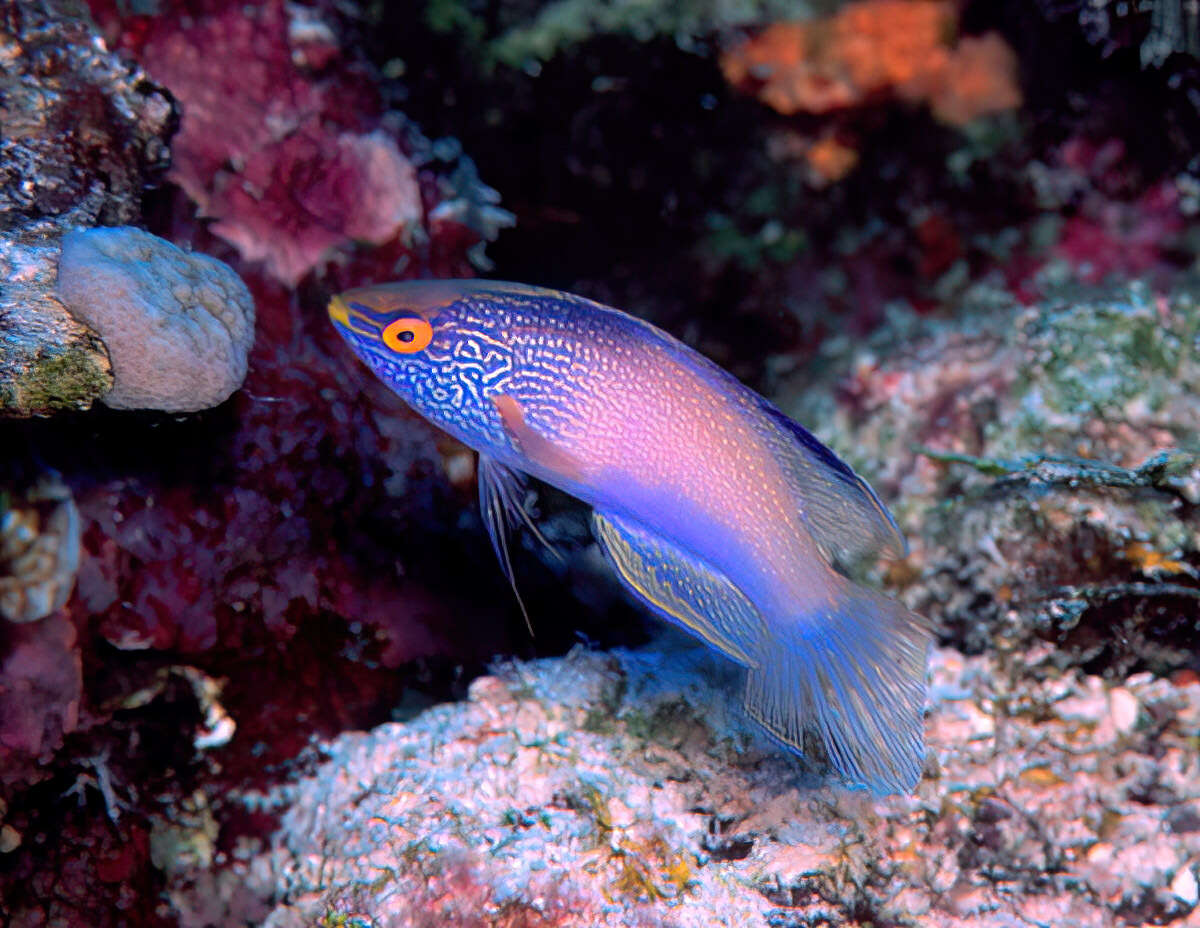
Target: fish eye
407, 335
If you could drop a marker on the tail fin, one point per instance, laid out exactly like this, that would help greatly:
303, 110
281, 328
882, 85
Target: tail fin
854, 672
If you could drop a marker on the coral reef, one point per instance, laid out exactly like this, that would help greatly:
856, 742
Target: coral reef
1046, 464
84, 135
873, 49
283, 142
251, 574
177, 327
618, 790
626, 788
259, 579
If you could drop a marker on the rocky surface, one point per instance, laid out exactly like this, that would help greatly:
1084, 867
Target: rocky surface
84, 134
1045, 462
622, 789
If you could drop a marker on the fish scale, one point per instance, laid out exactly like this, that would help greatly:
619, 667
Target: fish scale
716, 511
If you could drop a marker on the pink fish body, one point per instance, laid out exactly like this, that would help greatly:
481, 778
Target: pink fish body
714, 508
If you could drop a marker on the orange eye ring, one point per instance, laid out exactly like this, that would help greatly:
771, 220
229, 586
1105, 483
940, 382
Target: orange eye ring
407, 335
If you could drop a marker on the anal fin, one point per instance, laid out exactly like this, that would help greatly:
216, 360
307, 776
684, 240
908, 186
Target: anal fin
681, 587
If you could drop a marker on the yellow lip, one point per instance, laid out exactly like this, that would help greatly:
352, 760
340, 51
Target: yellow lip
339, 312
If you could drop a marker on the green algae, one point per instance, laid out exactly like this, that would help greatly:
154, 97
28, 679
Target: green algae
1092, 356
72, 378
1046, 456
526, 36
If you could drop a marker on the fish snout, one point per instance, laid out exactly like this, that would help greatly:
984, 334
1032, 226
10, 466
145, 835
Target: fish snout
354, 320
339, 312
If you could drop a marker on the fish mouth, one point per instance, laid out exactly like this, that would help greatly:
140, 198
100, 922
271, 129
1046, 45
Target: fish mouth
339, 312
348, 317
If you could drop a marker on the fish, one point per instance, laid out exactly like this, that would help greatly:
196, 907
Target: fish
716, 510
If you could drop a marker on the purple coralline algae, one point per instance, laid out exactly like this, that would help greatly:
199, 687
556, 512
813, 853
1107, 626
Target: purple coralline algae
280, 147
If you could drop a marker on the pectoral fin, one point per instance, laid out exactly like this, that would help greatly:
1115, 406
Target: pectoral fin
535, 446
681, 587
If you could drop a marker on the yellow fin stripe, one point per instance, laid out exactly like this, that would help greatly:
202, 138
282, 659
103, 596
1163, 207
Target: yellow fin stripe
681, 587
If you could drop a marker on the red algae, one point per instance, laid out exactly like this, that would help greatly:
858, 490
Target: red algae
40, 692
279, 141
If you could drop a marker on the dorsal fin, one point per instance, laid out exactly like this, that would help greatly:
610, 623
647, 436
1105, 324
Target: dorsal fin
847, 519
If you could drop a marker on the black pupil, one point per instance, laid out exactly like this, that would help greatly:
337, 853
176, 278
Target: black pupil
406, 336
